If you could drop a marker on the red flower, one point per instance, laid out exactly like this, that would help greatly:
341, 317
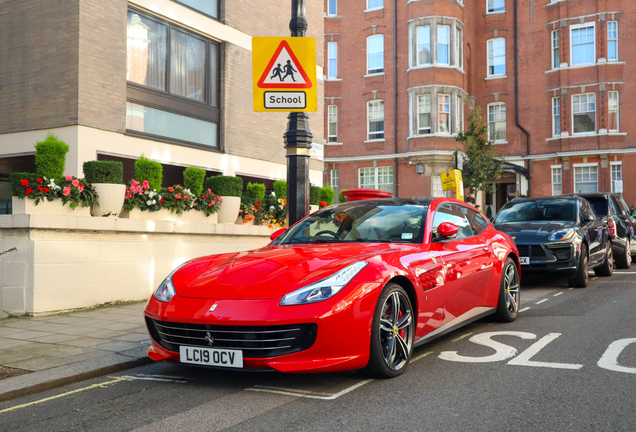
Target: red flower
46, 189
39, 180
161, 201
39, 189
28, 191
24, 182
171, 189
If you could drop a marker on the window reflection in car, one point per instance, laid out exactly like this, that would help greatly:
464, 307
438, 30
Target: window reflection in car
536, 211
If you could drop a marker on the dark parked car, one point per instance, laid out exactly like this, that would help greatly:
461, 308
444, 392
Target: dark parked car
622, 228
558, 235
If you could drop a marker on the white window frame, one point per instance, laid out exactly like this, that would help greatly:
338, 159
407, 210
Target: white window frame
560, 174
489, 49
618, 164
449, 112
376, 173
369, 8
556, 112
447, 44
331, 74
332, 111
369, 120
492, 105
334, 180
459, 52
459, 113
375, 36
555, 49
615, 40
584, 165
489, 2
418, 45
581, 112
618, 110
578, 27
430, 115
330, 12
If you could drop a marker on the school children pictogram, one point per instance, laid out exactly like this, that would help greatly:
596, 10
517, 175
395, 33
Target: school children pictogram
284, 71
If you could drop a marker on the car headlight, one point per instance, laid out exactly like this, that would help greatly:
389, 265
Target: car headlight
166, 290
562, 235
325, 288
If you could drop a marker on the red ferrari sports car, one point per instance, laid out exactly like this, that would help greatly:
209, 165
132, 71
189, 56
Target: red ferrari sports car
354, 285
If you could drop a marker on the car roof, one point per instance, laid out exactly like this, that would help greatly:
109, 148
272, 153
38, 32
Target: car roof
397, 201
547, 198
597, 194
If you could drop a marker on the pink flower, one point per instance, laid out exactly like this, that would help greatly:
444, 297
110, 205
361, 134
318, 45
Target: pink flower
178, 196
134, 183
67, 191
212, 203
75, 182
81, 187
128, 196
138, 189
146, 185
68, 178
171, 189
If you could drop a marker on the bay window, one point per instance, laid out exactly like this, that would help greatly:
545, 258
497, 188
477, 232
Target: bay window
583, 47
443, 114
584, 113
423, 45
443, 45
423, 114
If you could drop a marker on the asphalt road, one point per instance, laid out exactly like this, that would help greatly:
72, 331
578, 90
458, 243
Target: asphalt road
567, 364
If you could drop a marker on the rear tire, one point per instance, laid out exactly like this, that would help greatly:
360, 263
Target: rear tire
509, 293
607, 268
624, 260
580, 279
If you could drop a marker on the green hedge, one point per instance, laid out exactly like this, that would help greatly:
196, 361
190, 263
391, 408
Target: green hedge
111, 172
314, 195
193, 179
225, 185
280, 189
341, 196
50, 157
145, 169
256, 189
327, 194
17, 177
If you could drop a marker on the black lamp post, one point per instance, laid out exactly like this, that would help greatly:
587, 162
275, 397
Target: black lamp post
297, 139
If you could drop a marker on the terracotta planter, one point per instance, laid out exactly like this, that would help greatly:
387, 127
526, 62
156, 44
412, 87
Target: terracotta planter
27, 206
229, 209
110, 201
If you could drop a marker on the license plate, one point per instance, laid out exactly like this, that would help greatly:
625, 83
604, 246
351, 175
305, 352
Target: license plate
211, 356
524, 260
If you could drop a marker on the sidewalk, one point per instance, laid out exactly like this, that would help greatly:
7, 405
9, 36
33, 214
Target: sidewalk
38, 353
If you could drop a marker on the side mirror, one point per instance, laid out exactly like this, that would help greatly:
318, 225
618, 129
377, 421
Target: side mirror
447, 229
277, 234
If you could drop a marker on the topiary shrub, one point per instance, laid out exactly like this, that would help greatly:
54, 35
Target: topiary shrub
327, 194
341, 197
145, 169
314, 195
225, 185
280, 189
50, 157
256, 189
193, 179
111, 172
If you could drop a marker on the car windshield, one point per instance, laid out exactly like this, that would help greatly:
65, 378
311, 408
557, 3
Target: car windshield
361, 222
600, 205
537, 210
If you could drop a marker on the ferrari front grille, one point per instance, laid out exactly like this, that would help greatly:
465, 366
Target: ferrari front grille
254, 341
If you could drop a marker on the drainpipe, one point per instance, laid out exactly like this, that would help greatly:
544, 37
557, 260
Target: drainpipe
517, 92
395, 122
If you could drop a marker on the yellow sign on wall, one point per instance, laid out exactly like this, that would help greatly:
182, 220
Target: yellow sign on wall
452, 180
284, 74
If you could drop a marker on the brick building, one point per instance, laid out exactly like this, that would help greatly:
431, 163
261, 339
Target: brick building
168, 79
552, 78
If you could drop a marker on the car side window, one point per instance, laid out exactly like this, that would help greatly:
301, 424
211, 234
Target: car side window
589, 211
581, 213
619, 206
453, 214
477, 222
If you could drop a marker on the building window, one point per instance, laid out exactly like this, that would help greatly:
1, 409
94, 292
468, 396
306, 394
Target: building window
556, 116
332, 7
208, 7
375, 116
332, 60
557, 182
496, 57
332, 120
375, 4
583, 47
334, 179
423, 45
443, 113
556, 60
375, 54
613, 107
423, 114
443, 45
617, 173
585, 179
377, 178
497, 122
612, 40
584, 113
459, 111
459, 54
436, 187
496, 6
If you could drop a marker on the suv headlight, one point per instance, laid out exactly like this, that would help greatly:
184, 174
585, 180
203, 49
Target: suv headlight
166, 290
562, 235
325, 288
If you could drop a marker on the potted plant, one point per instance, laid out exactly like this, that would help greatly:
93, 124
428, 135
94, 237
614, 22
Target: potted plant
150, 171
251, 202
209, 203
180, 202
314, 198
142, 203
229, 188
107, 177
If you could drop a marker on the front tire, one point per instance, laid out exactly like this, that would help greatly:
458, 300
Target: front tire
392, 333
607, 268
580, 279
509, 292
624, 260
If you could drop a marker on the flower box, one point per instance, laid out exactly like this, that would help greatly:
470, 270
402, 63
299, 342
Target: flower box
55, 207
192, 216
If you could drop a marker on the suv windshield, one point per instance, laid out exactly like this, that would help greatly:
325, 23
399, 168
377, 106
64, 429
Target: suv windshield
600, 205
537, 210
360, 222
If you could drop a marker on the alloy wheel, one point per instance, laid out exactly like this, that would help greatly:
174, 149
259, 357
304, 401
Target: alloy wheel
512, 288
396, 331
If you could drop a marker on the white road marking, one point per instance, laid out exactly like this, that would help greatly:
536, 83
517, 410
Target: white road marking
305, 395
420, 357
558, 294
503, 351
148, 378
524, 309
461, 337
622, 272
523, 359
541, 301
609, 360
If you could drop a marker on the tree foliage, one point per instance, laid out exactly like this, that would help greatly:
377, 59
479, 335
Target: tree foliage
482, 164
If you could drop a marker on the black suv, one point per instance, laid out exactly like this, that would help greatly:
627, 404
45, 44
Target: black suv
611, 207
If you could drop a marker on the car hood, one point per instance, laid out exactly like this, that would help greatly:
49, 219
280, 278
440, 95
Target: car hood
533, 232
272, 271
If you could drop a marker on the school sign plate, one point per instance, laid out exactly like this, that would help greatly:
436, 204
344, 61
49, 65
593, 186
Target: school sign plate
284, 74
